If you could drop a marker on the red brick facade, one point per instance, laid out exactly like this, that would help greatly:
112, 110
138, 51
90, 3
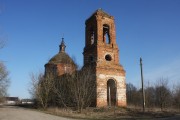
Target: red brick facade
101, 52
60, 64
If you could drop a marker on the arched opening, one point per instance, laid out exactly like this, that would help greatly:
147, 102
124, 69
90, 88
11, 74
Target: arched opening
111, 92
92, 36
106, 36
91, 58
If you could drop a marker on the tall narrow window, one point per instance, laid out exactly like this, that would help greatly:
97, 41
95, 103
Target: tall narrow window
92, 37
106, 36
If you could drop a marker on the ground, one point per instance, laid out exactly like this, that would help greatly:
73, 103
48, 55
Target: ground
17, 113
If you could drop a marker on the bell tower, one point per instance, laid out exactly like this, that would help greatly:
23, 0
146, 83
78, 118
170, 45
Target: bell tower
102, 54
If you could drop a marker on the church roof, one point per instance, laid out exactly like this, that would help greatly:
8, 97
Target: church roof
62, 56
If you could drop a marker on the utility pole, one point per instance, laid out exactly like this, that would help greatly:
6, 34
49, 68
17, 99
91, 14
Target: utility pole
143, 93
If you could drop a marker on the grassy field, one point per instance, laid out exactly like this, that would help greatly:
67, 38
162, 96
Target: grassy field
113, 113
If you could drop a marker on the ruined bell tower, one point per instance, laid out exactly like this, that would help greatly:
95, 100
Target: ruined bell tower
102, 54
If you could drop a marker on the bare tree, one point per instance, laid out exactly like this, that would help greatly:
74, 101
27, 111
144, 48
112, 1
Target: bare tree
4, 80
176, 96
84, 88
72, 89
150, 95
76, 89
131, 91
157, 95
62, 90
34, 84
41, 88
163, 94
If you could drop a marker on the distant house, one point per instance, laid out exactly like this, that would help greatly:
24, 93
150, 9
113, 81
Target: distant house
27, 101
11, 100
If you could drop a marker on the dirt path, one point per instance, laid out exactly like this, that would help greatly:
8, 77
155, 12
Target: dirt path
16, 113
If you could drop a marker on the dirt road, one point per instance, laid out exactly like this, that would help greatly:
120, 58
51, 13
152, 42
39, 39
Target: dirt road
16, 113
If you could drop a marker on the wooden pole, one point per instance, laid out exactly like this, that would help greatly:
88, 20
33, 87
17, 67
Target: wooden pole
143, 93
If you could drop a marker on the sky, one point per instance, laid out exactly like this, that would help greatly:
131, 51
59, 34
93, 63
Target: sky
33, 30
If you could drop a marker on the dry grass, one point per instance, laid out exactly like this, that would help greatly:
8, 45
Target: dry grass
111, 113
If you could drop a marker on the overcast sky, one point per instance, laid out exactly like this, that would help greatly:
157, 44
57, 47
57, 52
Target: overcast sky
144, 28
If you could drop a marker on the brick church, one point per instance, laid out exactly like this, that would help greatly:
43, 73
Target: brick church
102, 54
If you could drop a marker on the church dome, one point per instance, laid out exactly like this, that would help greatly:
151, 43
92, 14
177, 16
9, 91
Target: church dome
62, 56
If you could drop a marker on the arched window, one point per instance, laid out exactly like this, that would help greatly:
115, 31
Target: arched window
92, 36
111, 92
106, 36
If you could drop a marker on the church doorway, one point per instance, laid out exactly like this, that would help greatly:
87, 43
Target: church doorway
111, 92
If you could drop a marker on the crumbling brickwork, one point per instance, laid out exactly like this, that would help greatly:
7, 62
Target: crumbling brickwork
101, 52
61, 63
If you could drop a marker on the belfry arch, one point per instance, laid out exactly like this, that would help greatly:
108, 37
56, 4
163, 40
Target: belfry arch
106, 35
